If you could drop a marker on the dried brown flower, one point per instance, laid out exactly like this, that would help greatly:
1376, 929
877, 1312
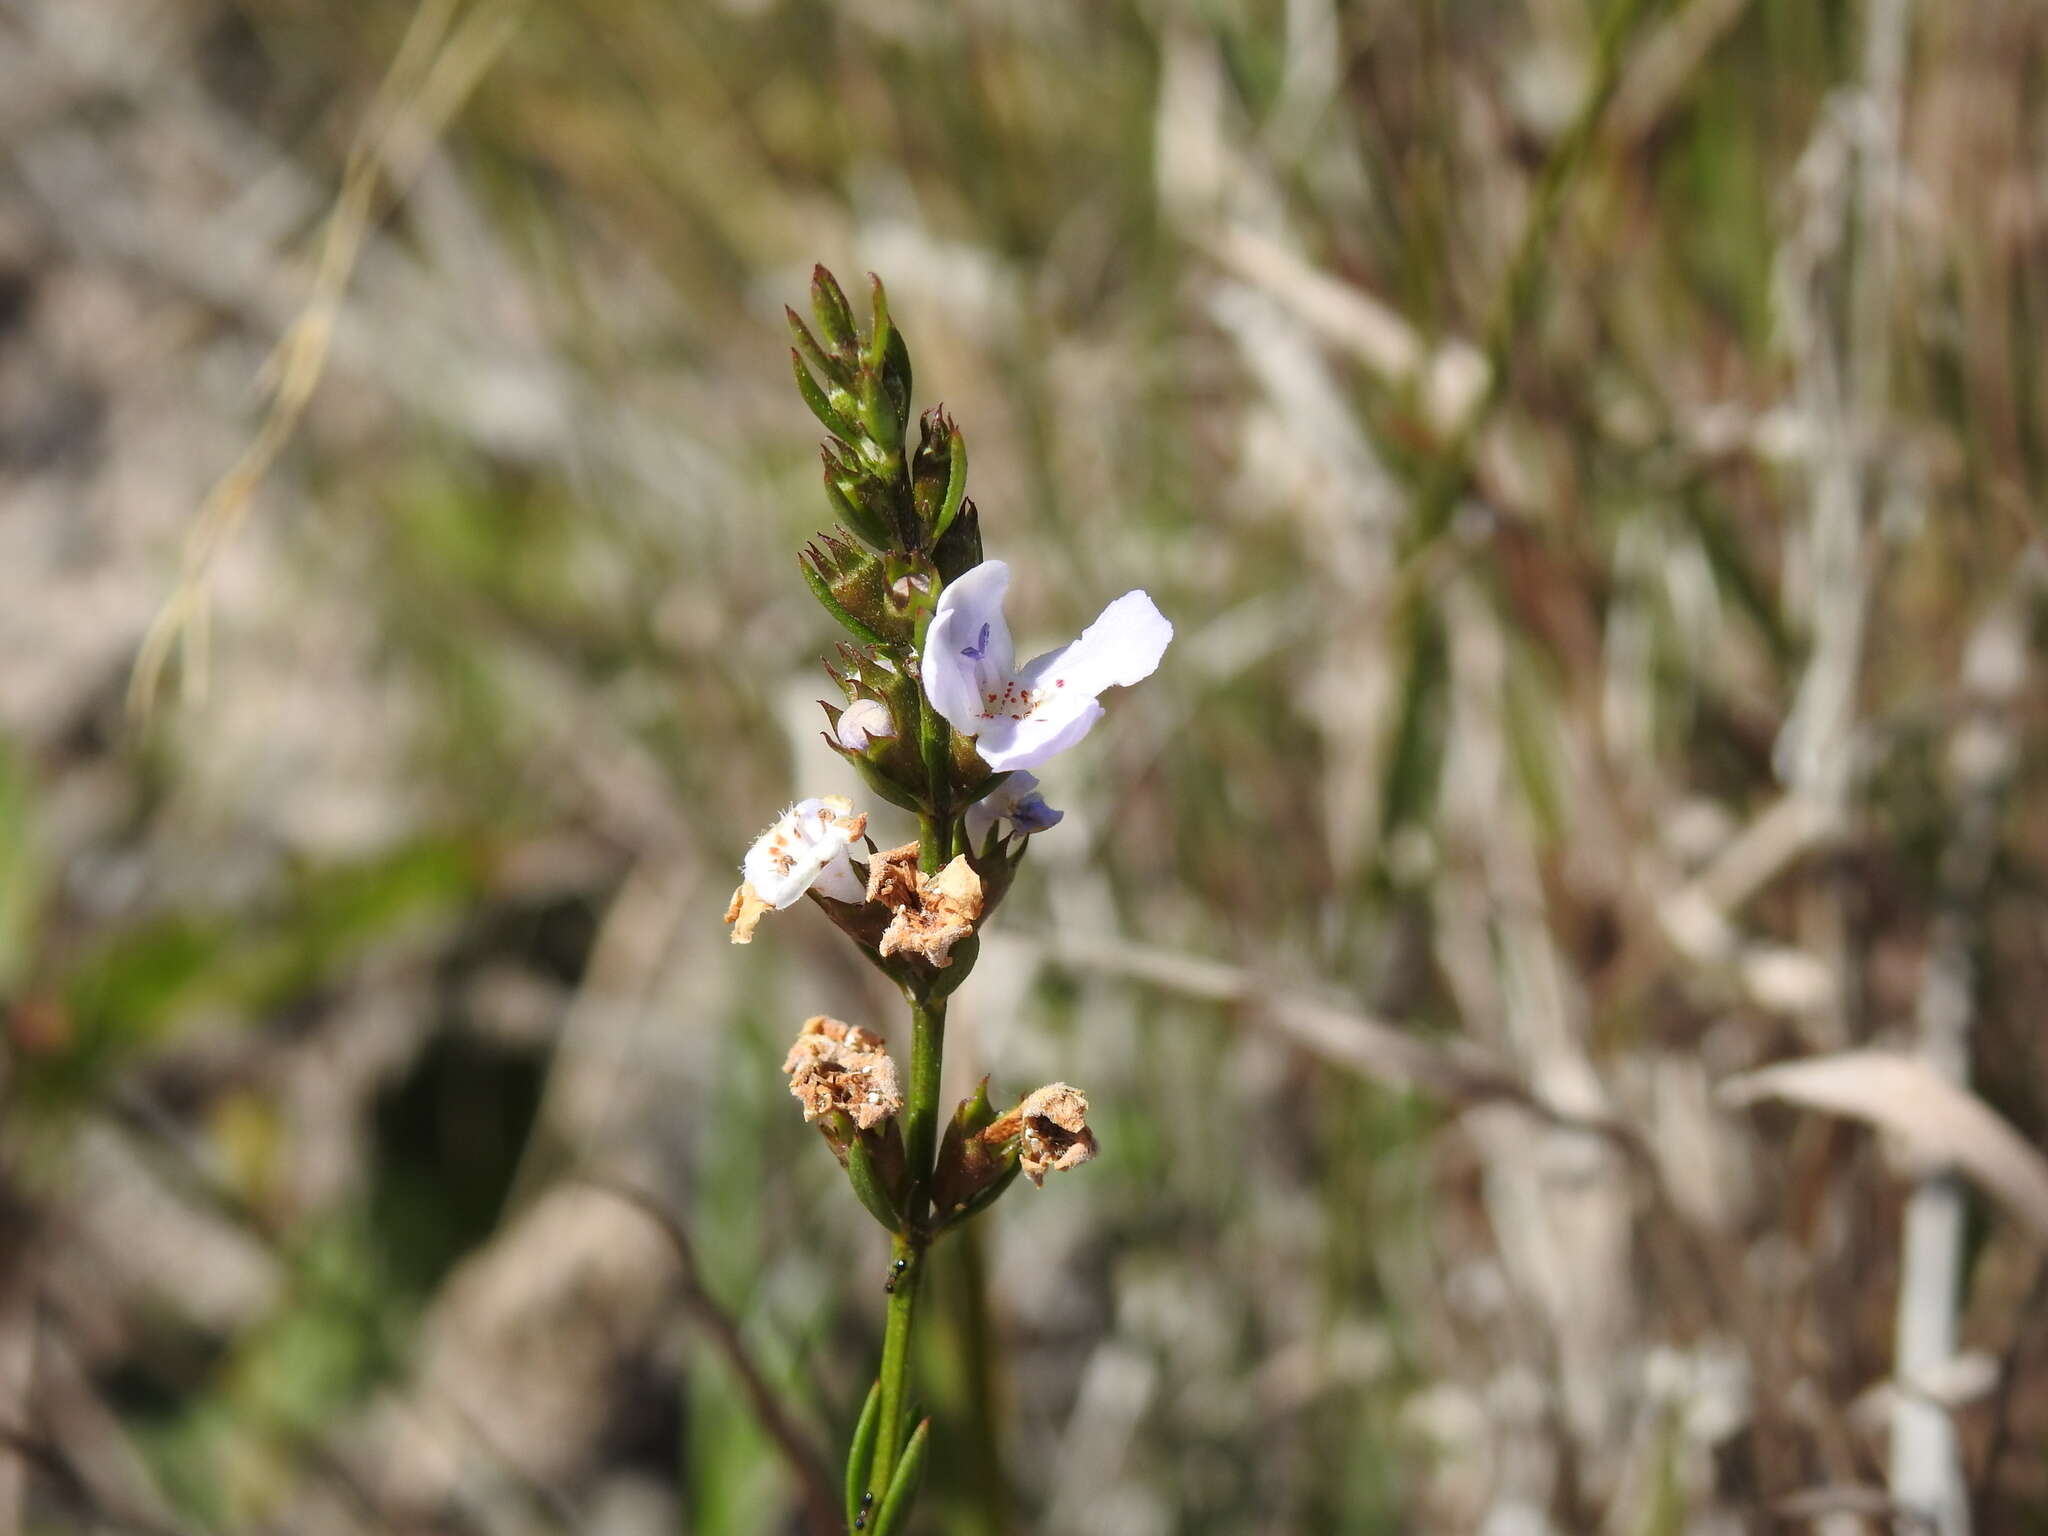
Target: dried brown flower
933, 912
744, 913
893, 877
838, 1066
1051, 1127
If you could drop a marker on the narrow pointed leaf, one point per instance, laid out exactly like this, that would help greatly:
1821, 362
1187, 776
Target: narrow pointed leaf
895, 1512
860, 1455
834, 314
838, 377
956, 488
868, 1185
814, 397
822, 591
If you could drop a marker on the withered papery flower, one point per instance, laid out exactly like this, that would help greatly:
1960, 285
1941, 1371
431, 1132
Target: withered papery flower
933, 912
1020, 716
806, 848
1051, 1127
839, 1066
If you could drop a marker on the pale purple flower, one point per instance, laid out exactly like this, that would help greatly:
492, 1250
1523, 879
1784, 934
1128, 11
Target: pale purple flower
1020, 716
1015, 800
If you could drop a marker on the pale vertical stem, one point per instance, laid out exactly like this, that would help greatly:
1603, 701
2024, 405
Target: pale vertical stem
1926, 1464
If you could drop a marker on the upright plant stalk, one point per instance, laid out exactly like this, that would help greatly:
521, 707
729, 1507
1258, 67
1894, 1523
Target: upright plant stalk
920, 1125
941, 722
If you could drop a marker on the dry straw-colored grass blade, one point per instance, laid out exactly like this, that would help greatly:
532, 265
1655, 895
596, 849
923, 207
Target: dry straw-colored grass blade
1938, 1122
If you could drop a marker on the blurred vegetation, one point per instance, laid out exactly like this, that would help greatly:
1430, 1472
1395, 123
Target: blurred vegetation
1544, 721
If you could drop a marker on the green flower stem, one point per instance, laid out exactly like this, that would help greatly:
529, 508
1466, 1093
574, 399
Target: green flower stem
920, 1144
935, 830
895, 1377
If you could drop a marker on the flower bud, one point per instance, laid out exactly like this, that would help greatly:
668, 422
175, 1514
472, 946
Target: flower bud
834, 314
959, 550
883, 705
938, 473
854, 587
971, 1172
843, 1077
887, 360
857, 501
862, 721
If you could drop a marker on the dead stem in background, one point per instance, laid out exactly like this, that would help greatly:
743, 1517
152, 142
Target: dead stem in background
806, 1460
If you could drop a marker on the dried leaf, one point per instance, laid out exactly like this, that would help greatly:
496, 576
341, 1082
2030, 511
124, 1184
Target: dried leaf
1938, 1121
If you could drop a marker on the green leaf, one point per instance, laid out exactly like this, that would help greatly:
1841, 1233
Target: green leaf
821, 589
903, 1487
956, 487
869, 1187
814, 397
860, 1455
834, 314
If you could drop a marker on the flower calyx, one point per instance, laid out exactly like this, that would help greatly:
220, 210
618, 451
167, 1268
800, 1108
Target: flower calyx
1050, 1128
972, 1172
932, 913
848, 1086
878, 599
983, 1152
876, 731
838, 1066
938, 474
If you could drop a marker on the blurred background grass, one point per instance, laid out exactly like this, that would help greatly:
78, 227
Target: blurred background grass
1591, 534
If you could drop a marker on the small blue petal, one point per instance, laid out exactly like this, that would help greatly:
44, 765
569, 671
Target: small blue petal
1032, 814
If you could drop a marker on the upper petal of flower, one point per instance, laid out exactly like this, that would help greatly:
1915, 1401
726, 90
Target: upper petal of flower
968, 640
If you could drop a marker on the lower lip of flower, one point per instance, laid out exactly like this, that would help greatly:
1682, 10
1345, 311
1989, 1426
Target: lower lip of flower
1015, 703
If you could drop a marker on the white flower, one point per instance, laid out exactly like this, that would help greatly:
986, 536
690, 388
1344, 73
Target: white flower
862, 720
1015, 800
1019, 717
805, 850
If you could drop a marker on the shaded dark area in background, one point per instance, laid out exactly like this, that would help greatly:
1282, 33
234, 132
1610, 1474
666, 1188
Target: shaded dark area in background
1577, 704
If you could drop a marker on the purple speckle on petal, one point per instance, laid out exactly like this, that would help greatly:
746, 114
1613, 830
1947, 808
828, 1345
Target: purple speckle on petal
979, 649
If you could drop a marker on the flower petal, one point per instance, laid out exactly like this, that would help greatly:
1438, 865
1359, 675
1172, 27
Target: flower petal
804, 842
838, 881
1121, 647
952, 676
1051, 728
1015, 800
